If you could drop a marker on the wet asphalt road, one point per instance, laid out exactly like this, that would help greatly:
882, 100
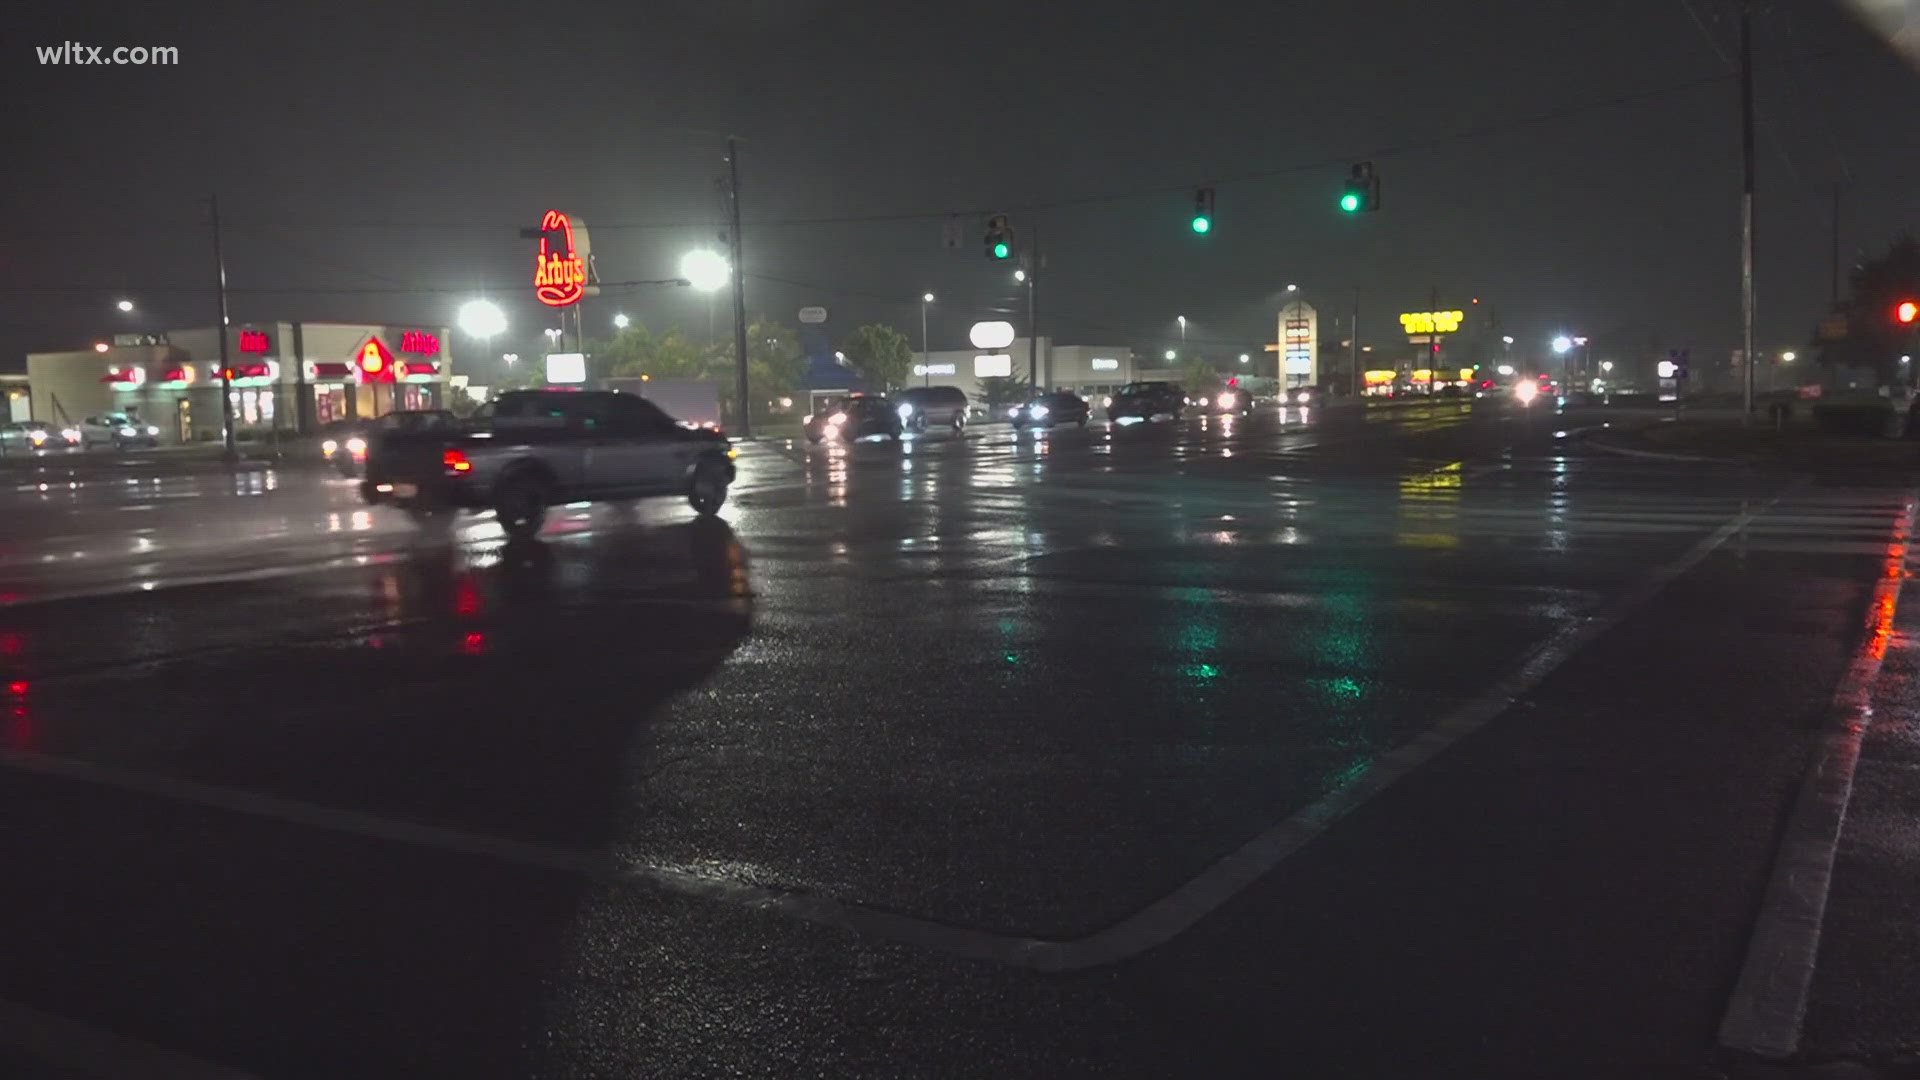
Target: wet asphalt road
895, 769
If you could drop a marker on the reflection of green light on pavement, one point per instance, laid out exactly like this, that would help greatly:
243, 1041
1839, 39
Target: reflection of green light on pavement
1349, 774
1013, 658
1199, 638
1344, 688
1200, 671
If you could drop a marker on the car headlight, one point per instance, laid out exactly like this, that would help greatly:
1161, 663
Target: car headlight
905, 411
70, 434
1107, 402
328, 447
837, 418
128, 432
1525, 392
38, 437
1227, 400
1302, 397
151, 430
1038, 410
357, 446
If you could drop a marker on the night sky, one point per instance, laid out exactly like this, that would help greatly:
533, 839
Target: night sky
1574, 166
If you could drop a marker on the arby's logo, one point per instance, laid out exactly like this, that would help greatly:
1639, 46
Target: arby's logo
559, 277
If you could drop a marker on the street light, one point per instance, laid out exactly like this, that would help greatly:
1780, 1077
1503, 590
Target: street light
125, 305
511, 358
1293, 288
1244, 358
482, 319
553, 335
1606, 365
1019, 275
620, 322
1169, 354
706, 271
1508, 338
1183, 328
1561, 344
1787, 357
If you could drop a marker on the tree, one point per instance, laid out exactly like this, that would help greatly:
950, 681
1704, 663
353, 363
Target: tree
881, 354
998, 390
1199, 376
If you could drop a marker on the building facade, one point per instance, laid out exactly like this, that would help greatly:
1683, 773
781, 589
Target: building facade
1087, 370
287, 377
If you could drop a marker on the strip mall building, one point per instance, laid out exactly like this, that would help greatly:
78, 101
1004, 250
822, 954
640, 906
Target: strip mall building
286, 377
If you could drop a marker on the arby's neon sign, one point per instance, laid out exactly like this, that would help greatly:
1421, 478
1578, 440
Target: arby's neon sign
559, 277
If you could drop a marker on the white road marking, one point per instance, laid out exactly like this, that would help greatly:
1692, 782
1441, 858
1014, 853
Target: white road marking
1153, 925
1769, 1003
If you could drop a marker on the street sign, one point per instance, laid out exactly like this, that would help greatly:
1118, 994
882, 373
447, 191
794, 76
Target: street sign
811, 315
998, 365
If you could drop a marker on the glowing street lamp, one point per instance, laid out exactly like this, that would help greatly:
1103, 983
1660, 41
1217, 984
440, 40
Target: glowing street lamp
1606, 365
482, 319
1787, 357
1019, 275
621, 322
125, 305
1244, 358
706, 271
1169, 354
1562, 344
511, 358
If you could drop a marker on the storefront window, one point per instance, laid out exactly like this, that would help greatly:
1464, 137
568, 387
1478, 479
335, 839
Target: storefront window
249, 406
266, 406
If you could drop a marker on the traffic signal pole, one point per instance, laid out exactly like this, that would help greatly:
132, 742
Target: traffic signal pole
1747, 358
226, 369
1033, 315
739, 289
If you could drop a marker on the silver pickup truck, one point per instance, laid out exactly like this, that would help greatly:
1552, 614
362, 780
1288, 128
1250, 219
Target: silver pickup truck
531, 449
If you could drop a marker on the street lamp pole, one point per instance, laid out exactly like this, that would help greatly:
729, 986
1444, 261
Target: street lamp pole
926, 358
739, 288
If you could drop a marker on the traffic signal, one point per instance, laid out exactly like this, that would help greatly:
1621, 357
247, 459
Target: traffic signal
1362, 191
1203, 210
1906, 311
999, 238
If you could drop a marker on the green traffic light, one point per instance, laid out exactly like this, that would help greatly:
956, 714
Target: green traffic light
1350, 202
1001, 250
1201, 223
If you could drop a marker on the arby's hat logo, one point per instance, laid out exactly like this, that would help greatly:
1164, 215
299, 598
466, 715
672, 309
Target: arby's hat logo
559, 277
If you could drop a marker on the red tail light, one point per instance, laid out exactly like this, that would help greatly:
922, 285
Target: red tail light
455, 461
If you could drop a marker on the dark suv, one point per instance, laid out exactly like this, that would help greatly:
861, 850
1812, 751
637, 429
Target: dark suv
1146, 400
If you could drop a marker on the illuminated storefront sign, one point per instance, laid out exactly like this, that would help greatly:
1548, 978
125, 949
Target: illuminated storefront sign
1432, 322
559, 277
997, 366
255, 341
1101, 363
935, 369
419, 341
375, 362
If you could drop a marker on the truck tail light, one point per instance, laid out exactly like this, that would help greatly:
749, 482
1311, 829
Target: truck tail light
455, 461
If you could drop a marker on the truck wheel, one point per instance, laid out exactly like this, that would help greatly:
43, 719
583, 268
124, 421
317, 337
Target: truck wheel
520, 504
708, 489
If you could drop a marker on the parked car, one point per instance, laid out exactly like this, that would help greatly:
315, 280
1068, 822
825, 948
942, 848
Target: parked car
1146, 400
32, 436
117, 430
530, 449
923, 407
344, 442
1046, 410
855, 417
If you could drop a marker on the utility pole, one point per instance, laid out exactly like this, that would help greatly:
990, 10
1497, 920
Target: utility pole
739, 288
226, 371
1833, 285
1033, 315
1747, 357
1356, 345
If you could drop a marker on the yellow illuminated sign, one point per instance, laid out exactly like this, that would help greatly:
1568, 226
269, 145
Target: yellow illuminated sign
1432, 322
1376, 377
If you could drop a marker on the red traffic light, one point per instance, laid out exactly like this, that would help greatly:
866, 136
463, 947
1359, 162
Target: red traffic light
1906, 311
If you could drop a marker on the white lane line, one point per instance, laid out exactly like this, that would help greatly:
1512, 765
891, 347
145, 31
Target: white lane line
90, 1051
1769, 1003
1151, 926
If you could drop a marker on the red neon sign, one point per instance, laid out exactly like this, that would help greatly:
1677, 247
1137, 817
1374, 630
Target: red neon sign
255, 341
559, 278
419, 341
375, 362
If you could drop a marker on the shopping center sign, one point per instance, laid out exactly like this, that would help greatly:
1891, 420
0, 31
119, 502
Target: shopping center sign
1432, 322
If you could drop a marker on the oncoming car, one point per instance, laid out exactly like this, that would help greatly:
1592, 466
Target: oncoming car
855, 417
1147, 400
1046, 410
345, 443
117, 430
